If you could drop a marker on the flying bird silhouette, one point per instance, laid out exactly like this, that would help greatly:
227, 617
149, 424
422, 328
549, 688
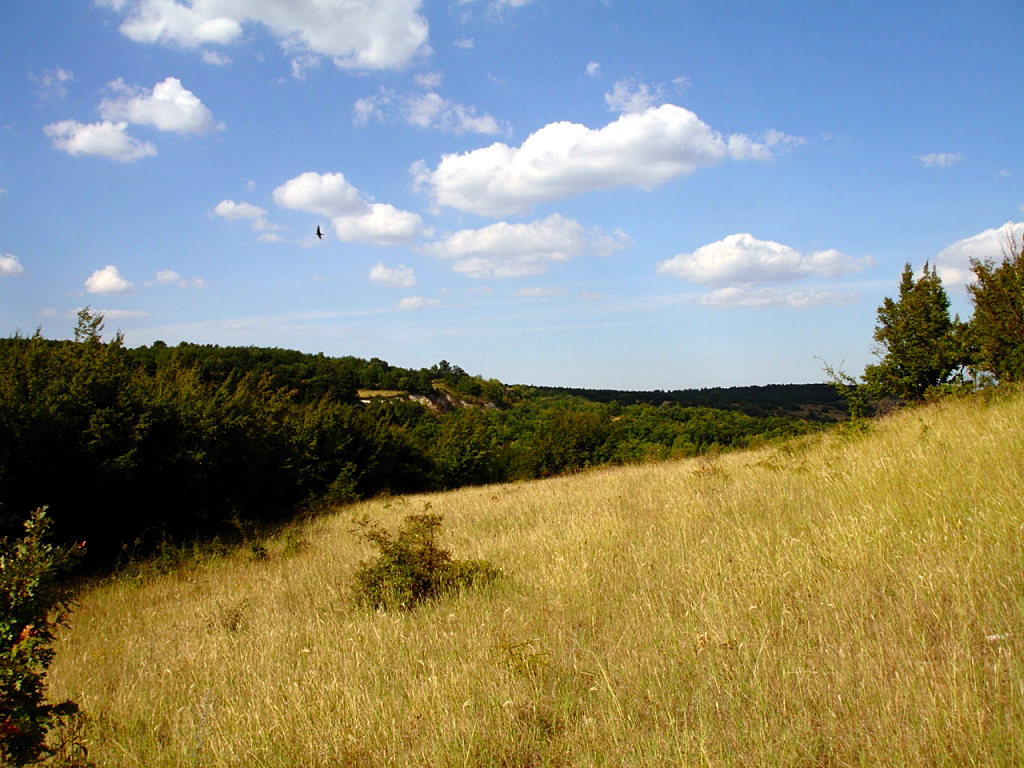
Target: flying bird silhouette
319, 234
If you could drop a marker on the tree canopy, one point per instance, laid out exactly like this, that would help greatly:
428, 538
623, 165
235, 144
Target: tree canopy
997, 327
919, 345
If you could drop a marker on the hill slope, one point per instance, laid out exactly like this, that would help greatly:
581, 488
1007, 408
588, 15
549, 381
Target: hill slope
850, 598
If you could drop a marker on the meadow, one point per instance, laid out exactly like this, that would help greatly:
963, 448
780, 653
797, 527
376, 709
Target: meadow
854, 597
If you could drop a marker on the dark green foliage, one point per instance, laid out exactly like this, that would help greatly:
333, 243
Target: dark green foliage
919, 345
138, 450
997, 327
410, 567
33, 603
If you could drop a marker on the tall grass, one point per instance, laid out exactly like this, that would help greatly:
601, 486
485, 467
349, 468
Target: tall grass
846, 599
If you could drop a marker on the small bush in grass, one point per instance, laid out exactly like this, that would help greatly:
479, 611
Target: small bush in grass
411, 567
33, 603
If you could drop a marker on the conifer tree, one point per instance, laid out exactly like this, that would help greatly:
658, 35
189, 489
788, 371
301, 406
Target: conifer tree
919, 345
997, 327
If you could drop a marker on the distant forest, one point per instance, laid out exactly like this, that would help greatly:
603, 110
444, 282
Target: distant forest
133, 447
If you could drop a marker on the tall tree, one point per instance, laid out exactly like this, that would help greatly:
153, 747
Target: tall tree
997, 327
919, 345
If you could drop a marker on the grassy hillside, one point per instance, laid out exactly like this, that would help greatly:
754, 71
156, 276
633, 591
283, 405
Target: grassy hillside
848, 599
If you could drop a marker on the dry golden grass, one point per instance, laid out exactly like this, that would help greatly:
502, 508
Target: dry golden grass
850, 599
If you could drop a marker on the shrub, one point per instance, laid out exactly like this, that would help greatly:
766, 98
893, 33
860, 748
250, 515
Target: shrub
411, 568
33, 603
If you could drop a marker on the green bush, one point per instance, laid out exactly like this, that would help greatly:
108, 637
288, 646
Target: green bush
411, 568
33, 603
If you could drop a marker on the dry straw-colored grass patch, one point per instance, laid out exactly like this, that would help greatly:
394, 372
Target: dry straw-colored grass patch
846, 599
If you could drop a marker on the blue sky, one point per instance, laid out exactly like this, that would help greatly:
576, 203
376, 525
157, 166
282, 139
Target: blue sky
594, 193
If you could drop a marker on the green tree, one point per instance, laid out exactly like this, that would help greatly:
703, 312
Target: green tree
919, 345
997, 327
33, 603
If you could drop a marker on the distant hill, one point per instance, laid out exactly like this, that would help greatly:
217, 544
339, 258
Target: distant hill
819, 402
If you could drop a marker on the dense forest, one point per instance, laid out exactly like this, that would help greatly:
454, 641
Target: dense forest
132, 447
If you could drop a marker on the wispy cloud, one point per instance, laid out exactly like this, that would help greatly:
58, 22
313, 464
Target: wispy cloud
425, 110
394, 277
940, 159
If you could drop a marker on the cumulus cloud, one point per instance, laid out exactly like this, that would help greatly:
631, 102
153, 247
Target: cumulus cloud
383, 224
644, 149
107, 281
328, 194
354, 218
593, 68
940, 159
105, 139
10, 266
742, 258
953, 262
503, 250
394, 277
425, 110
356, 34
169, 106
232, 211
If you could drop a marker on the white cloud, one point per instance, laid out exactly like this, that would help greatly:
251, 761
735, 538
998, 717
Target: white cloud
643, 149
953, 262
425, 110
593, 68
355, 34
940, 159
52, 83
216, 58
395, 277
630, 95
106, 139
418, 302
232, 211
774, 298
168, 107
328, 194
503, 250
170, 277
429, 80
122, 314
465, 43
107, 281
383, 224
167, 277
742, 258
354, 219
539, 292
229, 209
10, 266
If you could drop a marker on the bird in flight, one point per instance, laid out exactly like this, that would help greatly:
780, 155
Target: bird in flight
319, 234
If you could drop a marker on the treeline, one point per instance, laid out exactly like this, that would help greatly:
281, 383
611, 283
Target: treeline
311, 377
128, 448
819, 402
